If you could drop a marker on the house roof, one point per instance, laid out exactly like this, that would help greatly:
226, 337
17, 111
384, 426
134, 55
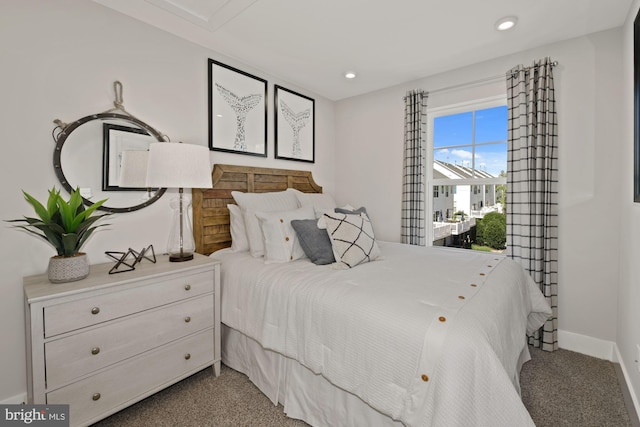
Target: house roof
446, 170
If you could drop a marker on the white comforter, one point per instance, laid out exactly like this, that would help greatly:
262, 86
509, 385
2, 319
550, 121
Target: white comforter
427, 336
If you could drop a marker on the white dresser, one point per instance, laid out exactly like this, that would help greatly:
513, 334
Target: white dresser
105, 342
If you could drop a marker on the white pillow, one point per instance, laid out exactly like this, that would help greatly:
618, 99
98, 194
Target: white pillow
239, 241
321, 202
352, 238
281, 243
250, 203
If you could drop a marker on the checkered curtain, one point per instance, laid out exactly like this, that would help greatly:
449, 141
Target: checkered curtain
532, 185
413, 182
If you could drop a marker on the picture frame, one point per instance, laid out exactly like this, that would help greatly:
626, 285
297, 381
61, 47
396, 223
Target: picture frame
116, 139
237, 111
294, 126
636, 108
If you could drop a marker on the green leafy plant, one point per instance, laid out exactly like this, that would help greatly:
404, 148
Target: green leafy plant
66, 225
492, 230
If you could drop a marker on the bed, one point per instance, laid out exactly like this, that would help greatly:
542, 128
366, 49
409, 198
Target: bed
417, 336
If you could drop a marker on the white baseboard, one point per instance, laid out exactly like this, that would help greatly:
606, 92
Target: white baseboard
590, 346
15, 400
627, 380
601, 349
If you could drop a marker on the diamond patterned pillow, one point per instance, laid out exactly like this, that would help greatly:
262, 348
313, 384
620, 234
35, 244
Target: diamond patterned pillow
352, 238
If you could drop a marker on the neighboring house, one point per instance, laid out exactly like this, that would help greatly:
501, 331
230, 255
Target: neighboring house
443, 198
473, 200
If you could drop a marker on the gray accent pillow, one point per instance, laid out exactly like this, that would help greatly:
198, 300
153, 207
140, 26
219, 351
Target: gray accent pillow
314, 241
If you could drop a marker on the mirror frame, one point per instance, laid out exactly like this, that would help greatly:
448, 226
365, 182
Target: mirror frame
68, 129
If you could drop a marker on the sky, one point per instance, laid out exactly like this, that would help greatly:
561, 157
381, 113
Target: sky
454, 137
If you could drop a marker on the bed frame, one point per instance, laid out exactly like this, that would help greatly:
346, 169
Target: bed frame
211, 229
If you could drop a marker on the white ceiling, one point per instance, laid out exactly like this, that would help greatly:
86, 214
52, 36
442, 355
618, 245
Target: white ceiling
311, 43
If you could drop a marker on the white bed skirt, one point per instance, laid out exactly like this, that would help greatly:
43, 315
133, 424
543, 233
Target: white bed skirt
304, 395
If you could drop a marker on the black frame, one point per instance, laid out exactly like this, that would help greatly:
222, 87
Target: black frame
279, 90
636, 114
215, 96
107, 128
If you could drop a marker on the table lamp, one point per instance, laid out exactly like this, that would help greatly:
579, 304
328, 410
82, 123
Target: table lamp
179, 165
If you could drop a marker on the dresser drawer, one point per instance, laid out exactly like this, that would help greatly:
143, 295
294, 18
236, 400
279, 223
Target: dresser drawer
112, 389
92, 310
80, 354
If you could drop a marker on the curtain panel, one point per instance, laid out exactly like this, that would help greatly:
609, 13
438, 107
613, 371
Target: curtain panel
532, 184
413, 178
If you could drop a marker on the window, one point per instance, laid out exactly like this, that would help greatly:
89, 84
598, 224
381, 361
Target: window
467, 158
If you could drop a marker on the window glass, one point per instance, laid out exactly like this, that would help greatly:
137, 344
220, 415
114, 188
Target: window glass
453, 129
491, 159
466, 145
488, 124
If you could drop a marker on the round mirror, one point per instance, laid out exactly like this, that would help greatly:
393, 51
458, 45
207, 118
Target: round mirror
88, 156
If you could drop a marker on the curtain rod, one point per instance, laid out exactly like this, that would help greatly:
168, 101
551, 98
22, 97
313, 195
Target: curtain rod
484, 80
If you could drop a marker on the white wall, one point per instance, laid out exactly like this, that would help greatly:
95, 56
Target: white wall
588, 82
628, 319
59, 60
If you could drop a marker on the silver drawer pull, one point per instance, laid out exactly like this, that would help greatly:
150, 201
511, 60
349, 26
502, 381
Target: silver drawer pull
187, 319
187, 356
95, 310
96, 396
95, 350
187, 287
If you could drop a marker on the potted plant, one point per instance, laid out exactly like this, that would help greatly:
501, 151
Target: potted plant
66, 225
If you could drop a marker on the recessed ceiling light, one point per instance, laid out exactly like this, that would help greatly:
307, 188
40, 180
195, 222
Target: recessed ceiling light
349, 75
506, 23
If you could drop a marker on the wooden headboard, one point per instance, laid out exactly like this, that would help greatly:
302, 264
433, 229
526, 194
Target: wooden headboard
211, 229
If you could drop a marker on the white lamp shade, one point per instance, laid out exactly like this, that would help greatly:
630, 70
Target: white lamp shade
178, 165
133, 169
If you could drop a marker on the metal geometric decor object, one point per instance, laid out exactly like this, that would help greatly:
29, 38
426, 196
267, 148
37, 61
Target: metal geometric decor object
129, 259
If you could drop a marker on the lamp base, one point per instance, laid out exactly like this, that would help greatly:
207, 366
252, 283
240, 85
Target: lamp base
180, 258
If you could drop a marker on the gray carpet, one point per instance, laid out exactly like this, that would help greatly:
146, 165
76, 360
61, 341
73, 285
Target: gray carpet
570, 389
559, 389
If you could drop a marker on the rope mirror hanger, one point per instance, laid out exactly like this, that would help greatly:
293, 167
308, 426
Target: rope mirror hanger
62, 131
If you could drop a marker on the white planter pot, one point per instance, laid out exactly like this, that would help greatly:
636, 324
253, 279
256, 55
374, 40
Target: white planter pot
68, 269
